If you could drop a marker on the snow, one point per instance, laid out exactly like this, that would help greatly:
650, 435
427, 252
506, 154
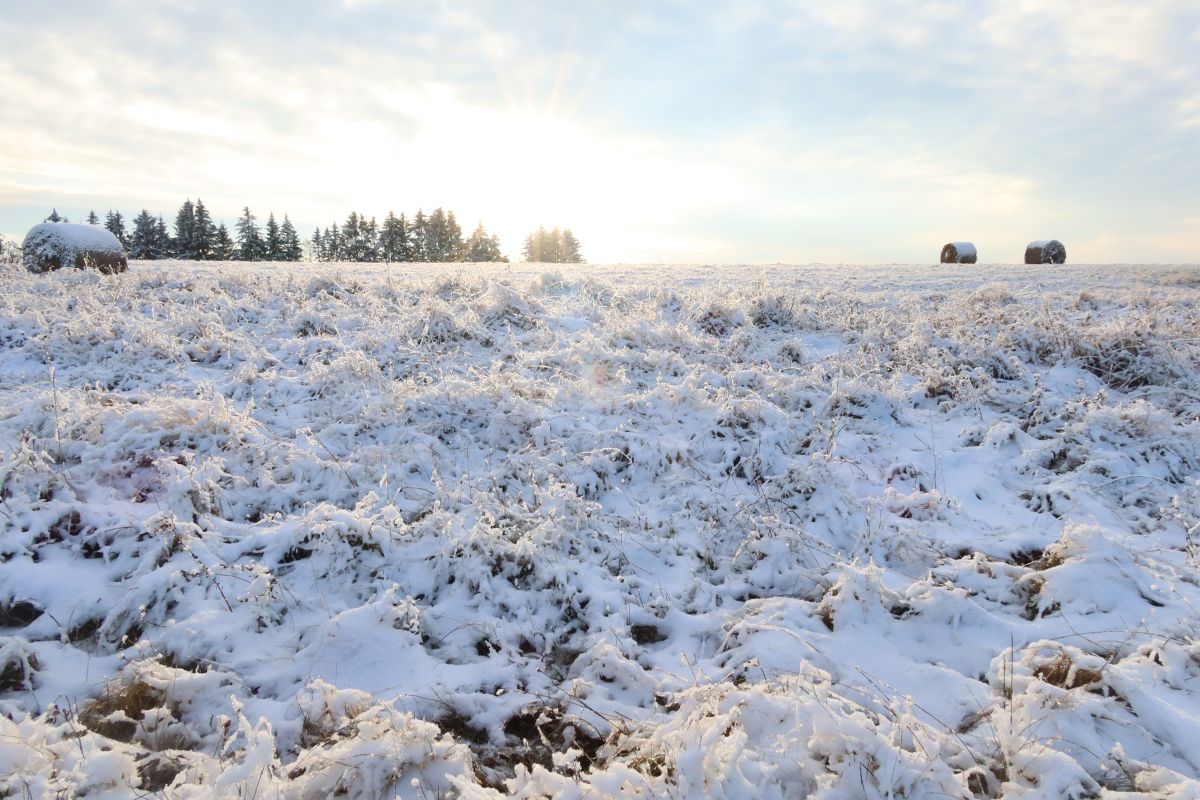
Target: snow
77, 237
965, 249
418, 531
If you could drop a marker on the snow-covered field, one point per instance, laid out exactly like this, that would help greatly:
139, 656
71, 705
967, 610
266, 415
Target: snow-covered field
839, 532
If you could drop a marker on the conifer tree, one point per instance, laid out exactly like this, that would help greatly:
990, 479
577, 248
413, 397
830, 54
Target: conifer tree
115, 223
143, 240
452, 243
333, 243
290, 247
437, 236
571, 248
249, 242
481, 247
350, 243
418, 236
222, 247
272, 244
404, 241
535, 245
185, 231
203, 231
92, 219
552, 249
370, 241
163, 246
393, 238
443, 236
55, 216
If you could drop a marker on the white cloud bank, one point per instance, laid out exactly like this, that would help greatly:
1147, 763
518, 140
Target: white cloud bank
784, 131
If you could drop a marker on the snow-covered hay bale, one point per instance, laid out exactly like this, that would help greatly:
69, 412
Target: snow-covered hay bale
959, 253
1047, 251
55, 245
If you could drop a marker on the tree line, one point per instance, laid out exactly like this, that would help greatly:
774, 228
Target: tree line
434, 237
197, 238
554, 247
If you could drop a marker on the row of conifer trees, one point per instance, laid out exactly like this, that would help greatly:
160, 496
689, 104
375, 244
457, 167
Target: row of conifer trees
433, 237
196, 237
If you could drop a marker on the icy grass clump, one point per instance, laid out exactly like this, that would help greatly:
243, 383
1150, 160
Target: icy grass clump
833, 532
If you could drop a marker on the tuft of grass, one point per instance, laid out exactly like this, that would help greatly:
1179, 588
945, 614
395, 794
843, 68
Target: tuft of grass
120, 707
1063, 672
17, 665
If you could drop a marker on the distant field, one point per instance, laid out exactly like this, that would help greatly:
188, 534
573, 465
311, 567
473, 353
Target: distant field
585, 531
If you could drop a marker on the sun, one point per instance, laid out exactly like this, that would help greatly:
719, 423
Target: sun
547, 166
518, 169
515, 168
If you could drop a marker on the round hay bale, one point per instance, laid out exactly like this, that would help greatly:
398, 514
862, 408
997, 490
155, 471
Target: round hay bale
1046, 251
55, 245
959, 253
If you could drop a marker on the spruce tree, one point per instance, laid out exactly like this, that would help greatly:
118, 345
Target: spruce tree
203, 231
481, 247
571, 248
333, 243
115, 223
536, 245
249, 242
163, 246
55, 216
92, 219
437, 236
453, 246
418, 235
350, 243
272, 244
404, 239
370, 241
553, 251
185, 231
222, 247
290, 248
394, 244
142, 242
388, 238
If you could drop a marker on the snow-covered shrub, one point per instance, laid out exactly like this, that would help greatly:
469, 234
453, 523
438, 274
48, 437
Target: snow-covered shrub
10, 253
718, 320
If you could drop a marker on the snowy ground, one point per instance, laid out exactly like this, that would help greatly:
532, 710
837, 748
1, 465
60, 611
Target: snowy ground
841, 532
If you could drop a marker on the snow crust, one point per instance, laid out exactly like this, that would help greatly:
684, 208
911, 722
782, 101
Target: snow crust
78, 237
62, 242
965, 249
841, 532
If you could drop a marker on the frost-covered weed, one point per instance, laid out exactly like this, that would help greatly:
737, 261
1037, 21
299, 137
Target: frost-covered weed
415, 533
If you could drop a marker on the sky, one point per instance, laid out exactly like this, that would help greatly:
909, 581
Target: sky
857, 131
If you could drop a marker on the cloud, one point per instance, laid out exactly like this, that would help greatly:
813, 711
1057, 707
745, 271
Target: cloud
775, 127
